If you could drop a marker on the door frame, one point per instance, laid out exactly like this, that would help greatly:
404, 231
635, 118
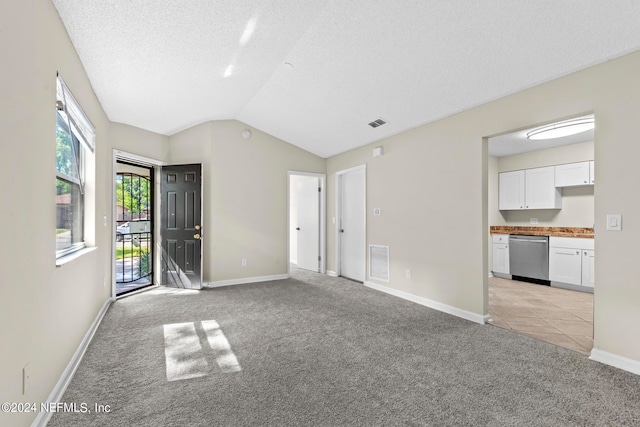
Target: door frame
323, 217
145, 162
339, 175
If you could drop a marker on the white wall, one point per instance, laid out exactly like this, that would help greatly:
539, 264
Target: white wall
139, 142
245, 196
45, 310
433, 190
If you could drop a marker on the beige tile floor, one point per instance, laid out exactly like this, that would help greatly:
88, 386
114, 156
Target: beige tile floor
558, 316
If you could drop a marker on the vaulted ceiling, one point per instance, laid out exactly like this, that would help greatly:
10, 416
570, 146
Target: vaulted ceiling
315, 72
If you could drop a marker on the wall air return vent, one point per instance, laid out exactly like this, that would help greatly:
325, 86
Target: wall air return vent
379, 262
376, 123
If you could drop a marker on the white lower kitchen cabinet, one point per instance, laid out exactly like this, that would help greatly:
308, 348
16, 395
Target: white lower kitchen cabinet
501, 258
588, 261
565, 265
500, 255
571, 262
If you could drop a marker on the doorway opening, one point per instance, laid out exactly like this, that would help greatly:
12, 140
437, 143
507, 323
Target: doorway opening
133, 227
306, 221
543, 192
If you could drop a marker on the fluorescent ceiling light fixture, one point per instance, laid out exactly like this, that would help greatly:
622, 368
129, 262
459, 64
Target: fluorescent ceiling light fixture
560, 129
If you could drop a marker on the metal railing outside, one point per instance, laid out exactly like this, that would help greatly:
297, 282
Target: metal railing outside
133, 257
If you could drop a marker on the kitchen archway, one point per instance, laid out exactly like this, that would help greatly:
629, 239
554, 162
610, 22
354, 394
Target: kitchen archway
556, 211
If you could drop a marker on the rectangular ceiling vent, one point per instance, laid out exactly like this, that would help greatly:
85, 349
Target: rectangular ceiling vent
376, 123
379, 262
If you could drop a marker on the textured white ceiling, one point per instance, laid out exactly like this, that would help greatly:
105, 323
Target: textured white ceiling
314, 73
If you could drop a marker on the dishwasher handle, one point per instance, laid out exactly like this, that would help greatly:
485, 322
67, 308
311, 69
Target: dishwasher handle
516, 239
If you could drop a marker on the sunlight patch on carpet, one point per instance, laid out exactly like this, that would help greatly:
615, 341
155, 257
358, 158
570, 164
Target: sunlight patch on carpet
186, 352
225, 357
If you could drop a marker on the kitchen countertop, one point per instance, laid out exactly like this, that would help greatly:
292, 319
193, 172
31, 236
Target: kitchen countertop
586, 233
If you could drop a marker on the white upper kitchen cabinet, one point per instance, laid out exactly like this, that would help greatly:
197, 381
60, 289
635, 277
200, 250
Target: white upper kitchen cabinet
529, 189
573, 174
511, 190
540, 189
592, 173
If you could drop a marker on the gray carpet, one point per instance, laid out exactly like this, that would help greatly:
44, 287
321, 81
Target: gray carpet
322, 351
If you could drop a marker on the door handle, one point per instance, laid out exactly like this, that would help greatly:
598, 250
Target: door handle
196, 236
197, 227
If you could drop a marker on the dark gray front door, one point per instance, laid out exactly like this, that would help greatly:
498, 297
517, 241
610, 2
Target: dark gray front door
180, 230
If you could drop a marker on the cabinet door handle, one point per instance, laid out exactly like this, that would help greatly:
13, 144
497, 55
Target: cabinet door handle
577, 252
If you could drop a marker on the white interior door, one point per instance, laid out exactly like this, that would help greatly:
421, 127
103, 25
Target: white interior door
308, 222
352, 224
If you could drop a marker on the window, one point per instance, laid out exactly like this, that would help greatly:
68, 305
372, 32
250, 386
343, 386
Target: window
74, 140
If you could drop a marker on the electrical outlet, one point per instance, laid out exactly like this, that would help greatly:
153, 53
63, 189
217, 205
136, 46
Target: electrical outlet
244, 262
26, 378
533, 221
407, 273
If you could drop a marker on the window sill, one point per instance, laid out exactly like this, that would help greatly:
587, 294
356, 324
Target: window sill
75, 255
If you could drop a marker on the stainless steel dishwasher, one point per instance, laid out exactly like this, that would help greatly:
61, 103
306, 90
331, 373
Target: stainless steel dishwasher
529, 257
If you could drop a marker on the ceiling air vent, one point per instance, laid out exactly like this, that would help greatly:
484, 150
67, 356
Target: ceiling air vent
376, 123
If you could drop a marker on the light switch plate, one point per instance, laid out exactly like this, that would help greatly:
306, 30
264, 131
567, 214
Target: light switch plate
614, 222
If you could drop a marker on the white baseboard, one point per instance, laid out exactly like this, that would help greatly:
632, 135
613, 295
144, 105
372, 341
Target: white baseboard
477, 318
244, 280
58, 391
332, 273
616, 361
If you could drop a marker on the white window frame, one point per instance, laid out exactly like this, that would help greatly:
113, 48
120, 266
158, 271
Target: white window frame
82, 133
